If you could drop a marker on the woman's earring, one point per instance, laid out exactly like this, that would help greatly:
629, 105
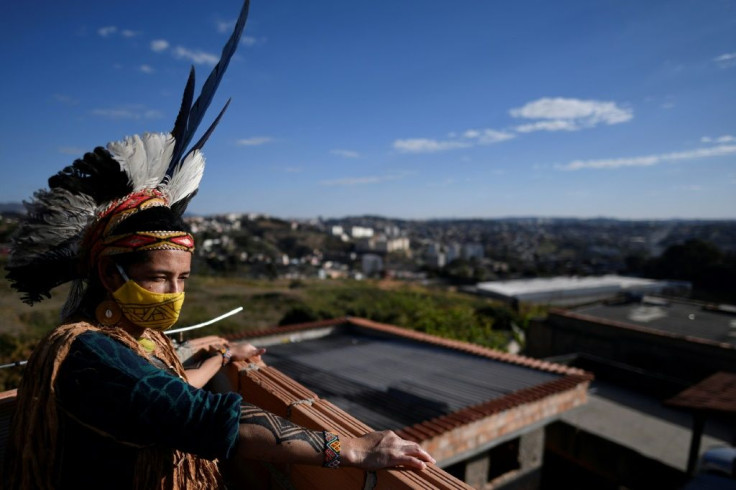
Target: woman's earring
108, 313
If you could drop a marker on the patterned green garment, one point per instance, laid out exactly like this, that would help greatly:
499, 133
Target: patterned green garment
112, 402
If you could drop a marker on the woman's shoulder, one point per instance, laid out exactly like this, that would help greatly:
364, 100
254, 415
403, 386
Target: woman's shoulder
64, 334
74, 326
82, 335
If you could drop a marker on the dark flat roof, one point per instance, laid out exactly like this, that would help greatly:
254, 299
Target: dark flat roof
391, 383
674, 317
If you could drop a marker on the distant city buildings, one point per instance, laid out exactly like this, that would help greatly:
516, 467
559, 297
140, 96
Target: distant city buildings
372, 264
439, 254
463, 250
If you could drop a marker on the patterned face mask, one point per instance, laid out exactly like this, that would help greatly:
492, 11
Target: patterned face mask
157, 311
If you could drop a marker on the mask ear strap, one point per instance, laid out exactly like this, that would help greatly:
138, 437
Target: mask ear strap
122, 272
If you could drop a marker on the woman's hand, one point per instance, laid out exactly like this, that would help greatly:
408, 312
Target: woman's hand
385, 449
240, 351
216, 352
244, 351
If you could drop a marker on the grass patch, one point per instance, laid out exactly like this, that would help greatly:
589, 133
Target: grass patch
268, 303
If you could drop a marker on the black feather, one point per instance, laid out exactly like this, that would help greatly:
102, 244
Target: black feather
180, 125
208, 92
97, 175
37, 278
199, 144
181, 205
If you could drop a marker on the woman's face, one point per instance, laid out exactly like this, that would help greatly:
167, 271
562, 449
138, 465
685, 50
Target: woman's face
165, 271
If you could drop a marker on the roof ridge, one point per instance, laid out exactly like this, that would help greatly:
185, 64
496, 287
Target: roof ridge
468, 347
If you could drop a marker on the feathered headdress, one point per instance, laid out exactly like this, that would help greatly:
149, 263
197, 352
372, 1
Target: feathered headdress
56, 240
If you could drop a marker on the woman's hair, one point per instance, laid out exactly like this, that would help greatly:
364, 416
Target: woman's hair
158, 218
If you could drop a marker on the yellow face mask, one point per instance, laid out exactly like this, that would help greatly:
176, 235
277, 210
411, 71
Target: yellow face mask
157, 311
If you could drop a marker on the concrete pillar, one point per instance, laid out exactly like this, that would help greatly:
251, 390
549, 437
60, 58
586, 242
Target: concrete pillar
531, 449
476, 470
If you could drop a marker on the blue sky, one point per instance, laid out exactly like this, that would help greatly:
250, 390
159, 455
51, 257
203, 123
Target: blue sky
404, 108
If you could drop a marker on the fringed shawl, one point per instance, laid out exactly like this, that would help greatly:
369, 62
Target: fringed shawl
33, 443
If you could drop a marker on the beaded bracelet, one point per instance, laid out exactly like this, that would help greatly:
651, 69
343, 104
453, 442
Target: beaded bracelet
226, 355
332, 450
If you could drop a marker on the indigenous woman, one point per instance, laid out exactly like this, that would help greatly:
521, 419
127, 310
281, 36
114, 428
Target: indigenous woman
105, 401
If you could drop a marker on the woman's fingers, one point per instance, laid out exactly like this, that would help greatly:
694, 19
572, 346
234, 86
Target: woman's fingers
242, 351
385, 449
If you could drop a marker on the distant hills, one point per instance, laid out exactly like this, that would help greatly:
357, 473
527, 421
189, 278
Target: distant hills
372, 220
12, 207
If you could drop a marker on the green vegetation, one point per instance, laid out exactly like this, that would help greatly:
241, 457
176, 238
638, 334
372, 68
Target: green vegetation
268, 303
710, 270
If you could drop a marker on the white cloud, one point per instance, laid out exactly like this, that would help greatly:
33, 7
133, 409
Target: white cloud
556, 125
152, 114
423, 145
146, 69
159, 45
725, 60
250, 41
130, 112
470, 138
551, 114
197, 57
649, 160
569, 114
255, 141
345, 153
487, 136
225, 26
107, 31
352, 181
726, 138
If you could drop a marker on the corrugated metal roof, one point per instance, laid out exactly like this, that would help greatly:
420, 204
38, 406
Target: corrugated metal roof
391, 383
547, 289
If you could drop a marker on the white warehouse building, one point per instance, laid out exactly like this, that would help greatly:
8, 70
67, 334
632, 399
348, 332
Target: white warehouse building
574, 289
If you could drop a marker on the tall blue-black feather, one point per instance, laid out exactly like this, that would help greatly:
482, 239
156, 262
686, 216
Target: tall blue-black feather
199, 144
209, 88
180, 125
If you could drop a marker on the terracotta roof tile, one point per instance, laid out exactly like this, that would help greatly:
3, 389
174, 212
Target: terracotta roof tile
716, 393
321, 414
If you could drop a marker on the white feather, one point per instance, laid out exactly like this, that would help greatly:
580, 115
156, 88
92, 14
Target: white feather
186, 177
54, 216
144, 158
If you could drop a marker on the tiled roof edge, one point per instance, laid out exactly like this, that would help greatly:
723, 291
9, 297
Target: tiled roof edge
321, 414
467, 347
8, 395
459, 345
332, 322
439, 425
638, 328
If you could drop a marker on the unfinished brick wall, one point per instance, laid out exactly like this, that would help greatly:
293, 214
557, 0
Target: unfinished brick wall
273, 391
